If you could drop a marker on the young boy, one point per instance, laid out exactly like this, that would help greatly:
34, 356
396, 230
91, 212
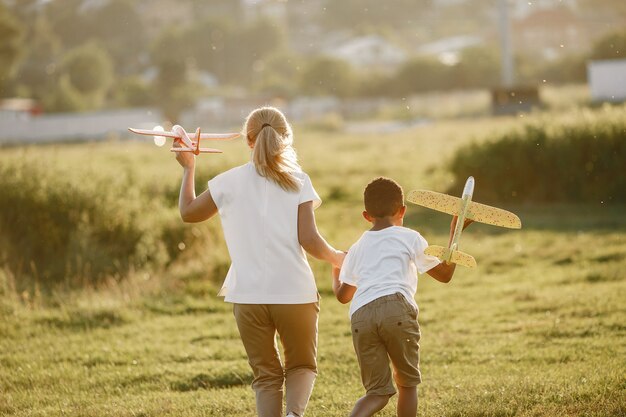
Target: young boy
379, 275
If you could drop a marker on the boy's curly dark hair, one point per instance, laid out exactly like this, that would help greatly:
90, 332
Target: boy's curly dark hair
383, 197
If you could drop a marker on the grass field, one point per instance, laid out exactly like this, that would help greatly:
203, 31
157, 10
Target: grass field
537, 330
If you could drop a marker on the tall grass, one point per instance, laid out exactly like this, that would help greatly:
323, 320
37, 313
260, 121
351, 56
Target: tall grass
580, 157
73, 215
82, 226
536, 330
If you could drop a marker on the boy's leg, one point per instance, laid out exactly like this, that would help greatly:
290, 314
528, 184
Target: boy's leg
373, 360
402, 334
407, 401
258, 336
297, 328
368, 405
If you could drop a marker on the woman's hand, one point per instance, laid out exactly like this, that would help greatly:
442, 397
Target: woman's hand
186, 159
338, 259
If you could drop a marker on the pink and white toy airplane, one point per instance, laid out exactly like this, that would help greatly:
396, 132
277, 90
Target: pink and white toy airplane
183, 138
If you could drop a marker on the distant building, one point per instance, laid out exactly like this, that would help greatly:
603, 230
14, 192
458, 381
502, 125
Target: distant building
271, 9
369, 52
521, 9
447, 50
607, 80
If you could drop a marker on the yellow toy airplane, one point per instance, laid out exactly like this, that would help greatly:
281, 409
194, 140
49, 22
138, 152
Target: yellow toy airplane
463, 207
181, 136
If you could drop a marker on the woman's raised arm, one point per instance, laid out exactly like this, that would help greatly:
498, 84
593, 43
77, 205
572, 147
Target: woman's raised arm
193, 209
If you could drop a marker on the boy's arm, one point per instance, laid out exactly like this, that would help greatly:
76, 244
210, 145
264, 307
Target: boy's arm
444, 271
343, 291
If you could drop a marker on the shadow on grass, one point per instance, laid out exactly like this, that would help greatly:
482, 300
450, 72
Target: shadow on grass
82, 320
184, 305
206, 381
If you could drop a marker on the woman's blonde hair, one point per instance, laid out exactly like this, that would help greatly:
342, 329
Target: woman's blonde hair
273, 155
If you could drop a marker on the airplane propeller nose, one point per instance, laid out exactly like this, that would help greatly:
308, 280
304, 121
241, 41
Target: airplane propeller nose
469, 187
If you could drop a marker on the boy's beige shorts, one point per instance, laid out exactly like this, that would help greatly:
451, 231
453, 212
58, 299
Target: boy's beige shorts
385, 329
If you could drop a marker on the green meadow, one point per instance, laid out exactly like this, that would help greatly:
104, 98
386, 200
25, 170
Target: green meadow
108, 302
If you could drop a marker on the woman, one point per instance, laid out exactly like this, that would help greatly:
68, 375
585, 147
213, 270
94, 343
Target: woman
266, 208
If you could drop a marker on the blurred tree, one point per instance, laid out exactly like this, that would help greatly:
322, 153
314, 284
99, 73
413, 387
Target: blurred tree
207, 41
248, 47
64, 97
420, 74
69, 21
118, 27
37, 70
374, 84
24, 10
478, 67
218, 9
352, 13
89, 69
171, 56
568, 69
233, 53
278, 74
617, 8
327, 76
10, 44
611, 46
133, 92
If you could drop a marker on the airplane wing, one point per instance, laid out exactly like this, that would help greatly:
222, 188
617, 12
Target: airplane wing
202, 150
478, 212
492, 215
154, 133
210, 136
456, 257
216, 136
436, 201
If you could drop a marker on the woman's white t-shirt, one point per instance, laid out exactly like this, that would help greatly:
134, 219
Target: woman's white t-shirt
260, 222
385, 262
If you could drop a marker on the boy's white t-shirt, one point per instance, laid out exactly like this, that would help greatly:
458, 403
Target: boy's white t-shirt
385, 262
260, 223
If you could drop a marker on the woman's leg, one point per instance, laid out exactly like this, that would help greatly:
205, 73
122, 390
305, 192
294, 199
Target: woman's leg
297, 328
258, 333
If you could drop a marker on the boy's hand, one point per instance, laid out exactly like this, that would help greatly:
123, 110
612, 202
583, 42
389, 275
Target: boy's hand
466, 223
343, 292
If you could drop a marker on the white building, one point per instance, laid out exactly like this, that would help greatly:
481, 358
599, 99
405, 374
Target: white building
447, 50
369, 52
607, 80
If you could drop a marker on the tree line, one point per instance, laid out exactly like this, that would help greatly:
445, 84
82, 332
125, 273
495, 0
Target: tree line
70, 57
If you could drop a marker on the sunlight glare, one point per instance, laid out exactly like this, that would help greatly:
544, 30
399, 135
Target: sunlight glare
159, 140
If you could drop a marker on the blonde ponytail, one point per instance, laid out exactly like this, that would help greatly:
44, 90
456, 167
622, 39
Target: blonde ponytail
273, 154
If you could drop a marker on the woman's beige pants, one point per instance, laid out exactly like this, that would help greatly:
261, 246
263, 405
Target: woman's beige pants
296, 325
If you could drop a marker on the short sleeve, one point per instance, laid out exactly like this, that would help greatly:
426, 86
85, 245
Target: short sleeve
308, 193
422, 261
217, 187
347, 269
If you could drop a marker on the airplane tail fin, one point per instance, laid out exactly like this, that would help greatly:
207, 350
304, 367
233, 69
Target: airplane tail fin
457, 257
